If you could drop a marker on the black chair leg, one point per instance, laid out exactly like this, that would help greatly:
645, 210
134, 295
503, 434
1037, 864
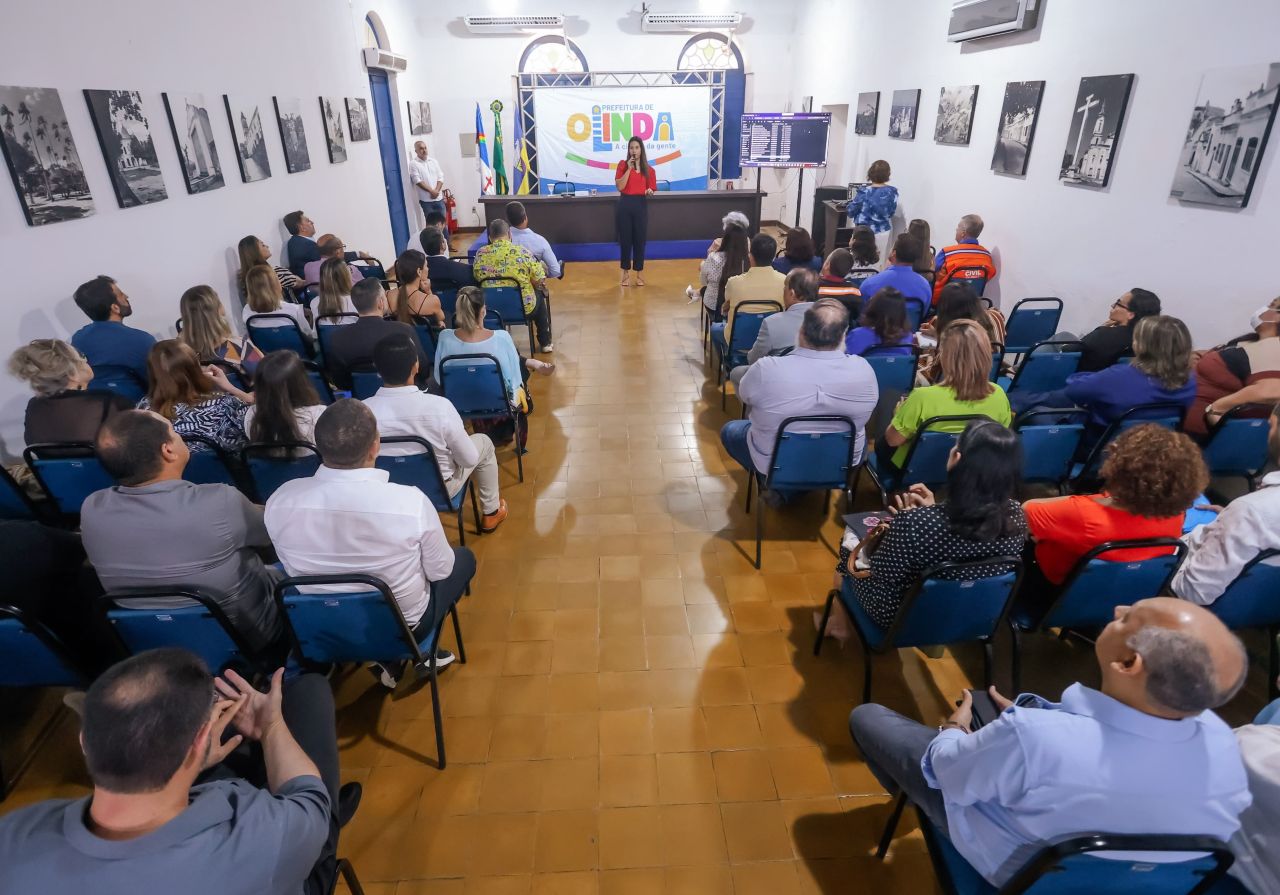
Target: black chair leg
457, 635
988, 661
826, 616
751, 481
1016, 642
759, 530
348, 875
462, 534
435, 710
866, 674
475, 506
4, 784
515, 419
891, 826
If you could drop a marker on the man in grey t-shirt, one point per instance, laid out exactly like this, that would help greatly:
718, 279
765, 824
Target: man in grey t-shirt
156, 529
152, 724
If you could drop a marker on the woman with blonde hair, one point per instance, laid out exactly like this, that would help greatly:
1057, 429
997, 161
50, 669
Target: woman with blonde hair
264, 295
63, 408
253, 251
412, 298
335, 293
206, 330
964, 355
197, 400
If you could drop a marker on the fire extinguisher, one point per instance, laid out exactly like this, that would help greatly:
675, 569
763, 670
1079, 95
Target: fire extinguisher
449, 206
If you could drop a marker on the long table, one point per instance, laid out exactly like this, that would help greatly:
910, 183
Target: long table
581, 227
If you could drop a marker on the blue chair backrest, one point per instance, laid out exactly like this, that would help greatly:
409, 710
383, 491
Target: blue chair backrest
664, 186
271, 465
418, 470
67, 479
202, 629
1050, 440
915, 313
1032, 320
365, 383
14, 502
812, 453
1251, 601
860, 275
1237, 445
319, 382
325, 328
748, 317
563, 188
118, 380
493, 320
1097, 585
362, 623
506, 301
926, 461
473, 383
427, 339
997, 360
30, 656
208, 465
277, 332
1045, 370
448, 302
973, 277
945, 606
1163, 413
895, 372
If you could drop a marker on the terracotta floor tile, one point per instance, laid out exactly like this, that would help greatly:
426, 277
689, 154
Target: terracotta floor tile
536, 625
716, 650
661, 592
528, 657
685, 778
724, 686
692, 834
697, 880
572, 736
821, 828
574, 693
743, 776
732, 727
631, 882
499, 885
800, 772
674, 687
679, 730
626, 732
517, 736
670, 651
630, 837
774, 683
570, 783
567, 840
575, 657
523, 695
511, 786
627, 780
766, 878
660, 620
756, 831
624, 653
502, 844
708, 618
576, 883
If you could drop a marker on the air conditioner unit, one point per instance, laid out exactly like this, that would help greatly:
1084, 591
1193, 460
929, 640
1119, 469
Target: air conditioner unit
974, 19
376, 58
692, 21
512, 24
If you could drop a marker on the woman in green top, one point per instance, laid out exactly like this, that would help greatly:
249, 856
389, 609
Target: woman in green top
964, 354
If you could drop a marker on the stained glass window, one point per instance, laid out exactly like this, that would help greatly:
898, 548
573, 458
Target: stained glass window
709, 51
553, 55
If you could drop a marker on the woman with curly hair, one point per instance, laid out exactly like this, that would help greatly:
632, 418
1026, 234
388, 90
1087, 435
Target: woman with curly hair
1151, 477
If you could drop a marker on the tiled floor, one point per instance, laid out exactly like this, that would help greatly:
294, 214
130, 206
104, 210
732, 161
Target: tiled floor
641, 712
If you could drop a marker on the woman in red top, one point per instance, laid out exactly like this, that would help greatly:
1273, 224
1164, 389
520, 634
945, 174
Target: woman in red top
635, 180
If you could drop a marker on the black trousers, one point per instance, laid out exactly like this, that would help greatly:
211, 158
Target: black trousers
541, 317
633, 230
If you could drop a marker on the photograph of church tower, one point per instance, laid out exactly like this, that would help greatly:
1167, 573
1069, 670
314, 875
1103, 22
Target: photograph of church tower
1097, 116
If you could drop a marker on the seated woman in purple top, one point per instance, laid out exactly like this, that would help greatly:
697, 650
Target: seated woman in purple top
798, 251
1160, 372
883, 322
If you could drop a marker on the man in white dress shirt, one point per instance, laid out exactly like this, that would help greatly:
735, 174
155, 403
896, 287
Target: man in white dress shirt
402, 408
349, 518
1219, 551
428, 179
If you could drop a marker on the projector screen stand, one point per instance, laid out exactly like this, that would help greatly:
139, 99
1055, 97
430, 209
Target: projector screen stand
799, 194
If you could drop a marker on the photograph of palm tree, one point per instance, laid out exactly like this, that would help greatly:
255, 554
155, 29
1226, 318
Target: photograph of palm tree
41, 155
125, 138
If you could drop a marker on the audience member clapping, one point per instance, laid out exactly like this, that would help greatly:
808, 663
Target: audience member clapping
206, 330
197, 400
63, 408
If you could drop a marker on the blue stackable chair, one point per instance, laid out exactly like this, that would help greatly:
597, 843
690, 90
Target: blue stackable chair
915, 312
473, 383
1252, 600
997, 360
281, 334
935, 610
926, 460
1032, 320
271, 465
68, 472
422, 471
807, 461
32, 656
324, 329
427, 335
973, 277
664, 186
448, 302
747, 318
508, 304
1044, 370
1084, 475
318, 381
1237, 443
563, 188
1089, 595
895, 376
365, 624
15, 503
1050, 438
119, 380
860, 275
209, 464
365, 382
200, 626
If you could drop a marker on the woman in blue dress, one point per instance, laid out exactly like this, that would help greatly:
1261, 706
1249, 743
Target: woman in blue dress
874, 204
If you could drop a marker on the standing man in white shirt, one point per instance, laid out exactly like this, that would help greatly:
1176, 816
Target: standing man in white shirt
401, 408
428, 178
349, 518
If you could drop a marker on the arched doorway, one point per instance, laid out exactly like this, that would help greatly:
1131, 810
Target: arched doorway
390, 146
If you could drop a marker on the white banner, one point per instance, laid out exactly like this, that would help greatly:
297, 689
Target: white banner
582, 133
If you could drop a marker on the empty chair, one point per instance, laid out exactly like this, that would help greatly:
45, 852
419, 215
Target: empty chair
68, 472
1045, 367
1237, 443
1031, 321
278, 332
1163, 413
1050, 439
941, 607
819, 460
422, 471
201, 627
362, 622
271, 465
1250, 602
473, 383
507, 303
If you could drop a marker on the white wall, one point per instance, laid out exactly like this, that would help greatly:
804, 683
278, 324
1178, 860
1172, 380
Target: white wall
291, 48
1210, 266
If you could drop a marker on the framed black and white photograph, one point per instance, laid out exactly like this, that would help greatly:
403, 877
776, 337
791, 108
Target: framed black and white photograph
41, 156
902, 114
1227, 135
955, 115
419, 118
334, 137
193, 132
1096, 118
864, 124
1018, 115
293, 134
245, 118
127, 147
358, 118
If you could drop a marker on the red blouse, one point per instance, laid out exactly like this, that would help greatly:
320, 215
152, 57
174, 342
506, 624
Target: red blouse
636, 184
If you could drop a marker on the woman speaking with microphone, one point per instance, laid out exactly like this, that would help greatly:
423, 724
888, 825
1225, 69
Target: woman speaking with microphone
635, 180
